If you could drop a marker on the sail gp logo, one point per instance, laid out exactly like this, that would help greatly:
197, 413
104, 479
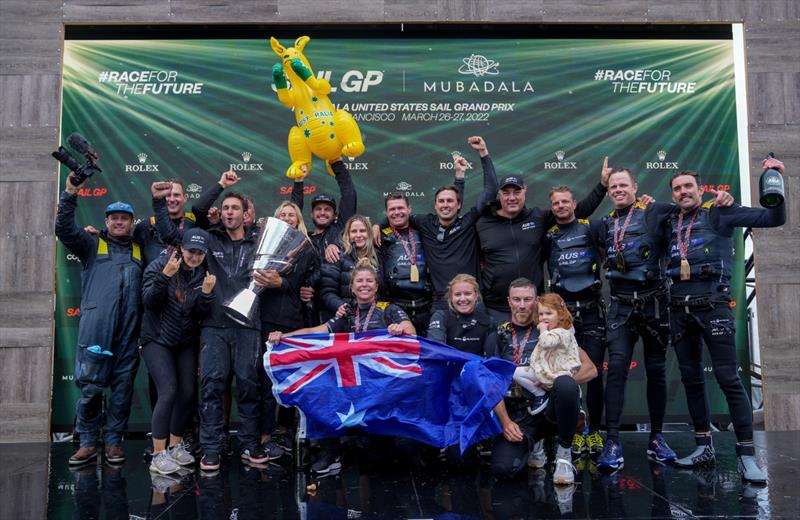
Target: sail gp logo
141, 165
662, 164
484, 70
560, 163
246, 165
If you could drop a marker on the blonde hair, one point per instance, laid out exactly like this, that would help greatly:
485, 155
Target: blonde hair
369, 252
462, 278
556, 303
301, 225
364, 264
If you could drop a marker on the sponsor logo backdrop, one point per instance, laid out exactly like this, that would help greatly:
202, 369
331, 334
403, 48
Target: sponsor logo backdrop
549, 109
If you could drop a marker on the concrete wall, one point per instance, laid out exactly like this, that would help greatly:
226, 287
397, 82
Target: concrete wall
31, 36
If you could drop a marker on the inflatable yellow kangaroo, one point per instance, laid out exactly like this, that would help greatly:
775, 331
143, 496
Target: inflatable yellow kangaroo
321, 130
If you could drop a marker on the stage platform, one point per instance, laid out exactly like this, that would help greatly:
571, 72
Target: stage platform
37, 483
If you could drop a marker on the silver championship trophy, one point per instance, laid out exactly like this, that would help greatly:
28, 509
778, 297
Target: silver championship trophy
279, 247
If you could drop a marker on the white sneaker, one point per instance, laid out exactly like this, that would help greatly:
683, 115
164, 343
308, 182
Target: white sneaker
163, 464
181, 455
564, 475
537, 458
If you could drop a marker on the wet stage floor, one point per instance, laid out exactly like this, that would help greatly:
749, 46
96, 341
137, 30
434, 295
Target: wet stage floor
388, 485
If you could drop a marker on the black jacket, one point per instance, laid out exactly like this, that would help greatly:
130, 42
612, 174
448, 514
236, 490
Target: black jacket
335, 281
146, 234
167, 320
281, 305
348, 203
514, 247
230, 261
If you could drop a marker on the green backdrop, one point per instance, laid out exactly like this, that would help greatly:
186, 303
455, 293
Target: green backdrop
549, 109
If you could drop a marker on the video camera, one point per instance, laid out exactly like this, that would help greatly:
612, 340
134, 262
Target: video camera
82, 171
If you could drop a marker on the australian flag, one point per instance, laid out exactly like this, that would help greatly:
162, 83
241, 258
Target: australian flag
389, 385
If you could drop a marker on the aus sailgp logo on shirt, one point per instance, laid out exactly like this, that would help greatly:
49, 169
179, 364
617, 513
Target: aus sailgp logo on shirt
528, 225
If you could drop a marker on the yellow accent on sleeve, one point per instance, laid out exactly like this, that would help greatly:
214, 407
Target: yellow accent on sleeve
102, 247
190, 216
709, 204
387, 231
137, 252
583, 221
382, 305
553, 229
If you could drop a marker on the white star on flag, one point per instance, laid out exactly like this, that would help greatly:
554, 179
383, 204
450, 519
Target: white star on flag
351, 418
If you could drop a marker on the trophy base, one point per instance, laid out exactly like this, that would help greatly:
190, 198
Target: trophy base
240, 308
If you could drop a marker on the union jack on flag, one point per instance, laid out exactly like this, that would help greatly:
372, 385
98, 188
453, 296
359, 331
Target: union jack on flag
388, 385
345, 354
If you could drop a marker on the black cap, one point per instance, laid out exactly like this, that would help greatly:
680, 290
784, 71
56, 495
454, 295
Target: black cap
512, 180
323, 198
195, 239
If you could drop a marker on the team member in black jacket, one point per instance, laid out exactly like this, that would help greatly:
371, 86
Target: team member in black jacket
282, 308
328, 223
700, 259
449, 239
226, 345
357, 243
177, 293
573, 263
145, 232
464, 325
512, 238
405, 269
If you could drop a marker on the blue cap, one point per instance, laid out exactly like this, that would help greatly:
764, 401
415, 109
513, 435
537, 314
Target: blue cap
119, 207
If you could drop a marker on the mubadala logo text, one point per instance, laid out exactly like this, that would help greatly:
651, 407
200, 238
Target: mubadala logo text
561, 164
246, 165
662, 164
479, 66
193, 191
142, 166
406, 189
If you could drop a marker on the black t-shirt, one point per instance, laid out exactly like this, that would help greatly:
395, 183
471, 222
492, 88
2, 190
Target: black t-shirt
383, 314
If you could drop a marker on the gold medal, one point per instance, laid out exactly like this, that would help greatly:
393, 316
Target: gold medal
414, 273
621, 262
686, 271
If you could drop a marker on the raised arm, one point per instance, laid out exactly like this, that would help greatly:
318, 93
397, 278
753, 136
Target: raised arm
490, 185
74, 238
207, 199
348, 199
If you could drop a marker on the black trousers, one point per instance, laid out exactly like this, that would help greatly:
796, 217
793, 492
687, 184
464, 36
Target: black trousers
560, 417
712, 324
173, 370
222, 351
590, 331
628, 321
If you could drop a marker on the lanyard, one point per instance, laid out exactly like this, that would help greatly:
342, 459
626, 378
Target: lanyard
366, 320
683, 242
619, 235
410, 251
519, 349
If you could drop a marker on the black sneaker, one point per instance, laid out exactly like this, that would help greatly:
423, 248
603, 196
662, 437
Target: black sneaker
272, 449
327, 462
255, 455
538, 404
191, 442
210, 462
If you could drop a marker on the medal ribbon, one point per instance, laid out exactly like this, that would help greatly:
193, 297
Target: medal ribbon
619, 235
410, 252
366, 320
683, 243
519, 349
